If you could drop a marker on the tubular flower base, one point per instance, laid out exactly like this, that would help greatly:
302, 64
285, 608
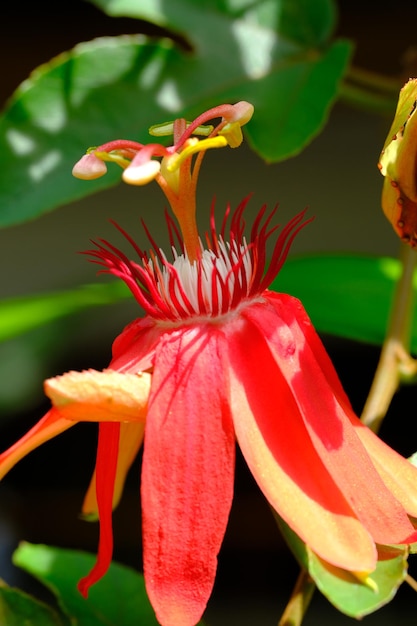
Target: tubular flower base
219, 358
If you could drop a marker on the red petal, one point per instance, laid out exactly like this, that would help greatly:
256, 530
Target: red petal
277, 447
51, 425
398, 474
131, 437
134, 348
187, 473
328, 418
106, 466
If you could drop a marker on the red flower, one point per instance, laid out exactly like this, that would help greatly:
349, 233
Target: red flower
218, 357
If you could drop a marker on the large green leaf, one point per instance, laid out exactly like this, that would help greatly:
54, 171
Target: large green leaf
343, 589
118, 599
19, 609
278, 54
302, 21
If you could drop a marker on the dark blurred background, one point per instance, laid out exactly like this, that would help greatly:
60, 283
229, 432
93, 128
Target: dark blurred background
336, 176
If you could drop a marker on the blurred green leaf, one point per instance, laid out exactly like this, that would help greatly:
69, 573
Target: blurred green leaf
118, 599
308, 23
20, 315
25, 362
19, 609
345, 295
277, 54
343, 589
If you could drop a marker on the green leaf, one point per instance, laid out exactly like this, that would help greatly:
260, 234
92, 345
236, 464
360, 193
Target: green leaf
343, 589
301, 20
19, 609
281, 50
345, 295
353, 597
278, 54
118, 599
22, 314
24, 363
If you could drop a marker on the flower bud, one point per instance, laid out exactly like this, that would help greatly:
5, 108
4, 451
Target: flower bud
398, 163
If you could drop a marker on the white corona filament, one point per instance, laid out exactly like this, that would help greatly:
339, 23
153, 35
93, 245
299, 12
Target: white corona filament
232, 265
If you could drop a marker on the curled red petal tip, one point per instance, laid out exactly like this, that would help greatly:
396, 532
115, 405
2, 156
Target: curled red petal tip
106, 467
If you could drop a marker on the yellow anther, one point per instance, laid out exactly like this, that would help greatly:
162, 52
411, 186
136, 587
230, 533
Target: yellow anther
233, 134
172, 177
113, 157
192, 147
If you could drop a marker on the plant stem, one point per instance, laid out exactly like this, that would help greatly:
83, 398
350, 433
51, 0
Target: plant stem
395, 361
365, 99
299, 601
370, 91
411, 582
379, 82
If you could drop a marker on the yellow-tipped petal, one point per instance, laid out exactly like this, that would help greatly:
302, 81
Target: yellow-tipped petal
94, 396
131, 437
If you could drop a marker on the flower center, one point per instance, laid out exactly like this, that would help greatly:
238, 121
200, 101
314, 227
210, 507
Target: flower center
208, 286
225, 274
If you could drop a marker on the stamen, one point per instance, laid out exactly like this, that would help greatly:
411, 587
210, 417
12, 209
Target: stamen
225, 274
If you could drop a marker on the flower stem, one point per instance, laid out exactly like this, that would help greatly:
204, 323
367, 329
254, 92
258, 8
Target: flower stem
366, 99
395, 362
370, 91
411, 582
381, 82
299, 601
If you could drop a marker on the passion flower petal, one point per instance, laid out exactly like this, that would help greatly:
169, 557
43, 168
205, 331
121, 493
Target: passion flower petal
276, 445
187, 474
93, 396
131, 437
51, 425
